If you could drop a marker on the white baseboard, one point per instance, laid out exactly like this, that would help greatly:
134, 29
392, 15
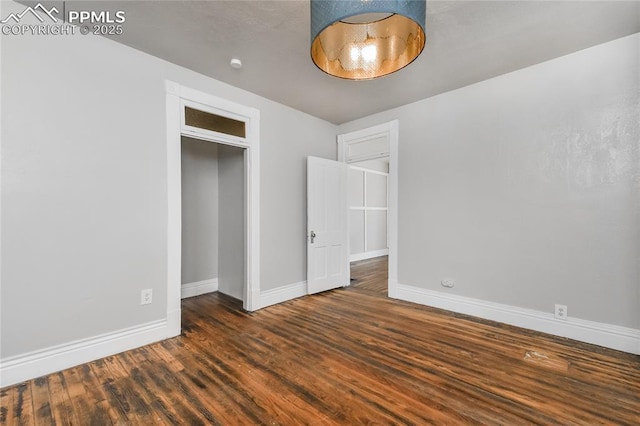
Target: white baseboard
368, 255
28, 366
607, 335
199, 287
392, 289
282, 294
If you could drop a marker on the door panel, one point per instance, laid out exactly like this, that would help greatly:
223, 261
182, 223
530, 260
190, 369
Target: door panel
327, 257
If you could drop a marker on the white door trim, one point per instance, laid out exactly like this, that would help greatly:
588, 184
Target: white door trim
391, 129
177, 97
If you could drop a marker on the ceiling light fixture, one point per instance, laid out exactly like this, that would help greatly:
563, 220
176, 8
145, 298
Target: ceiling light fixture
364, 39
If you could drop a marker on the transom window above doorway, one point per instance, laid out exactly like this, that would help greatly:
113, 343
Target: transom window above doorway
214, 122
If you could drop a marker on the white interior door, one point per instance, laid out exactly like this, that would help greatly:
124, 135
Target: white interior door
327, 232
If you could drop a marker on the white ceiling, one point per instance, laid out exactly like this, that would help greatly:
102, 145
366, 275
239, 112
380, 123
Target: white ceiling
467, 42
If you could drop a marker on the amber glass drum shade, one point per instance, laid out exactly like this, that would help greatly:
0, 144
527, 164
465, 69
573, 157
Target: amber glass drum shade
371, 38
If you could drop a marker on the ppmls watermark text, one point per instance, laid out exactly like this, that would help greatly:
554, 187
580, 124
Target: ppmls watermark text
41, 20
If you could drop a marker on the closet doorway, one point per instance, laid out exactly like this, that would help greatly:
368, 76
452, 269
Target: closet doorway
213, 212
209, 119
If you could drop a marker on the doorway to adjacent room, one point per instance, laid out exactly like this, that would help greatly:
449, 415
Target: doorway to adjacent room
372, 156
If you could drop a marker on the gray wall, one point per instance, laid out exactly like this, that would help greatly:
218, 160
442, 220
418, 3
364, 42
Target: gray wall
84, 186
199, 210
283, 208
231, 261
526, 188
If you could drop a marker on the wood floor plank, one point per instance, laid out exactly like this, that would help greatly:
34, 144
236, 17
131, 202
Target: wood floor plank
160, 403
42, 414
63, 412
6, 405
102, 379
87, 412
346, 356
24, 405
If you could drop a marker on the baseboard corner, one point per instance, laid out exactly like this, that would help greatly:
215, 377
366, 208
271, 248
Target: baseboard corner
198, 288
282, 294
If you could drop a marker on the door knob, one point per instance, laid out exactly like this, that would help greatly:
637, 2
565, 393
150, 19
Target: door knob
313, 236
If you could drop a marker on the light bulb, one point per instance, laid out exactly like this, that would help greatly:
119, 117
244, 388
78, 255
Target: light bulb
369, 53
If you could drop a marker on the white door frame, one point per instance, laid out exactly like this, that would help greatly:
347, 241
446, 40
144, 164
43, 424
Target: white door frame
391, 130
177, 98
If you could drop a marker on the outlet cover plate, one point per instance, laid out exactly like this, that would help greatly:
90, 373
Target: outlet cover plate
561, 312
146, 296
448, 282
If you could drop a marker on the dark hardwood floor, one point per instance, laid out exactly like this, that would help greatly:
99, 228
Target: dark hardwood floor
370, 276
348, 356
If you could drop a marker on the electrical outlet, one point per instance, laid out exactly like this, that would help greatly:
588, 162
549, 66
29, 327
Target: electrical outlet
146, 296
447, 282
561, 312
